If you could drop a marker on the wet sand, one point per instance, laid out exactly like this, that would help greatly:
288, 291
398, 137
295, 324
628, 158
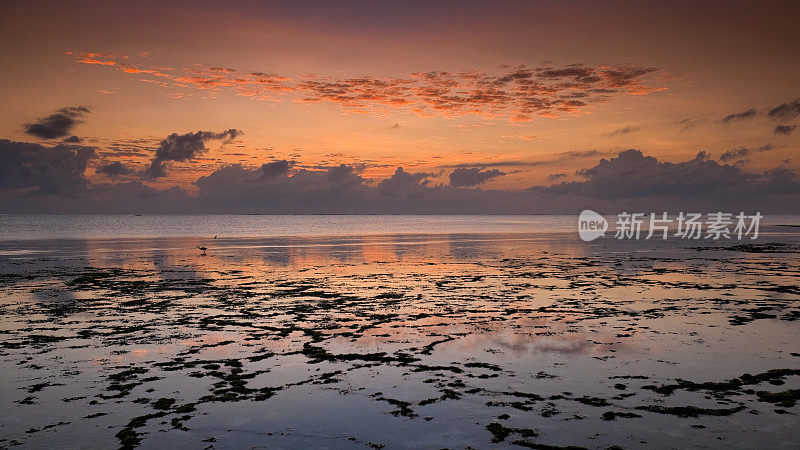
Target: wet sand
426, 341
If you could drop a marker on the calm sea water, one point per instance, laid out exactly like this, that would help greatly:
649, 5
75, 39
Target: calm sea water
403, 331
24, 227
432, 337
14, 227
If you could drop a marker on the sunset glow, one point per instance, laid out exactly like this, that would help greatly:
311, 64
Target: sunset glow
534, 92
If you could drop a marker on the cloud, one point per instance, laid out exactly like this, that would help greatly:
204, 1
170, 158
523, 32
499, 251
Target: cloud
624, 76
785, 111
114, 169
340, 190
519, 93
276, 168
744, 115
741, 152
623, 131
734, 154
341, 175
35, 178
404, 183
472, 176
58, 124
581, 154
556, 176
784, 129
689, 123
239, 188
185, 147
629, 181
36, 169
129, 148
484, 164
631, 174
557, 158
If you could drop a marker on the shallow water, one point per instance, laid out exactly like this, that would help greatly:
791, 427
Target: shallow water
414, 340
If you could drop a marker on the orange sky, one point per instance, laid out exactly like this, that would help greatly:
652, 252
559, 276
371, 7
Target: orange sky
416, 85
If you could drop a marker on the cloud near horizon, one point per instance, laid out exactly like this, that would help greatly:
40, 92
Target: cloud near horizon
28, 169
741, 152
472, 176
632, 175
41, 179
114, 169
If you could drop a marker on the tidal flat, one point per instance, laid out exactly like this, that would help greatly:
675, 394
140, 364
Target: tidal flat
402, 341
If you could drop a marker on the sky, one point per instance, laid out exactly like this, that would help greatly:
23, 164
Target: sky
398, 107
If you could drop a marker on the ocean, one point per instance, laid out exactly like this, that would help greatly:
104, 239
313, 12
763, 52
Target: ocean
396, 331
41, 227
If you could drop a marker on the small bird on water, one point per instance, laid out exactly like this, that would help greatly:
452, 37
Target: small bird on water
203, 249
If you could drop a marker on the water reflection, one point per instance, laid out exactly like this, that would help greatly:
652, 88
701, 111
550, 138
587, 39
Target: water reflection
289, 252
150, 342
